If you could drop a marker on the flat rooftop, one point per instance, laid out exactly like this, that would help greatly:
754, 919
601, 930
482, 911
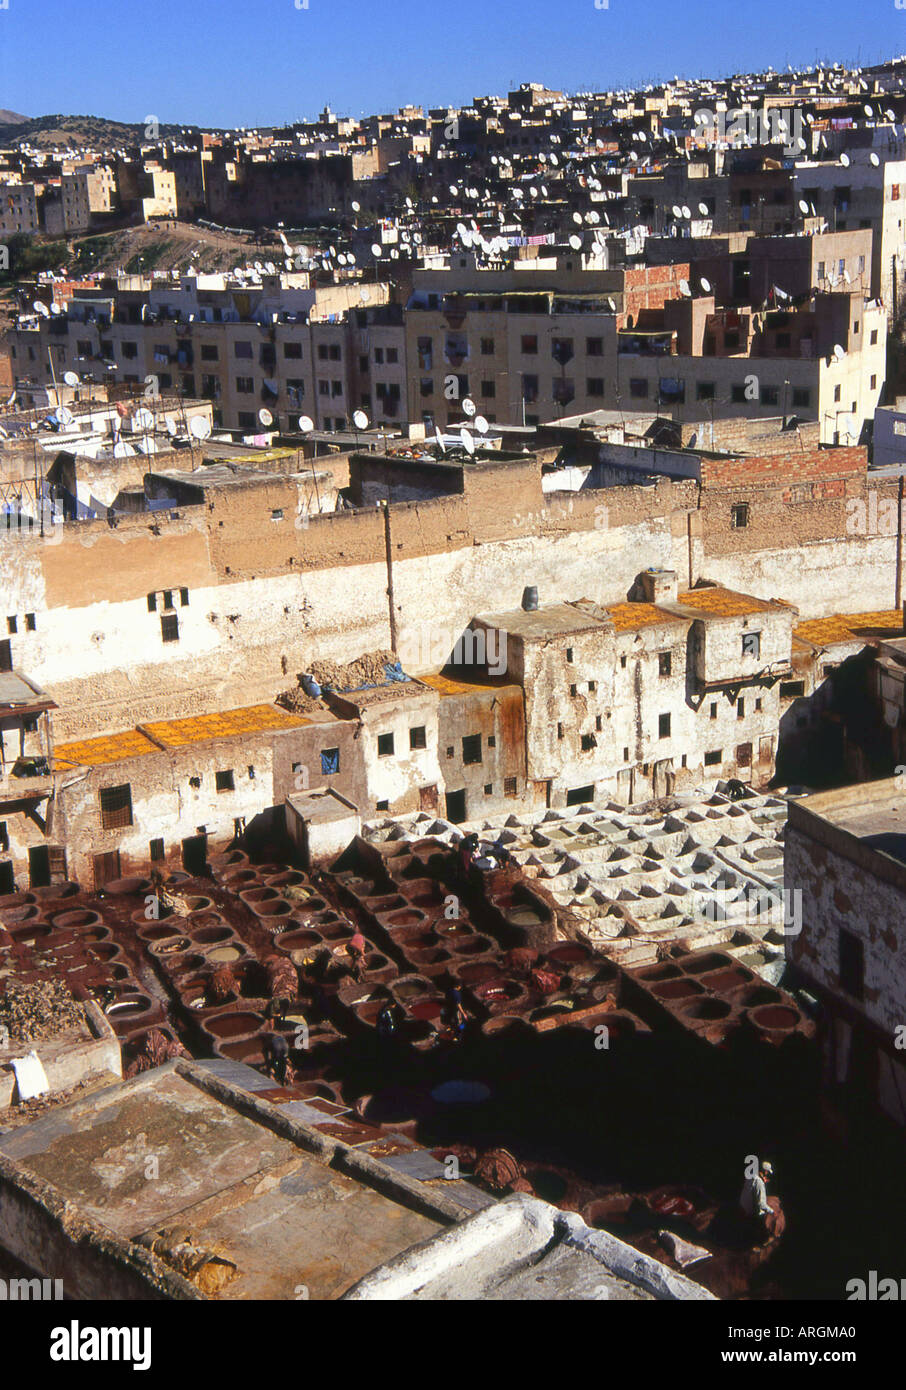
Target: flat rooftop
717, 602
177, 733
21, 694
554, 620
872, 812
844, 628
282, 1215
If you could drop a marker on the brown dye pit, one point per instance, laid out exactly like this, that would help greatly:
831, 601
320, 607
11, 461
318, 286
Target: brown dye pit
420, 941
659, 972
497, 991
122, 886
568, 955
677, 989
291, 878
222, 954
278, 907
258, 895
760, 994
368, 1013
705, 964
426, 1008
723, 981
298, 940
207, 936
233, 1025
37, 931
12, 915
435, 955
775, 1016
76, 918
472, 946
407, 918
104, 950
707, 1009
479, 973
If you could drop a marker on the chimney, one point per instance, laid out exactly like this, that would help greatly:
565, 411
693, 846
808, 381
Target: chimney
659, 586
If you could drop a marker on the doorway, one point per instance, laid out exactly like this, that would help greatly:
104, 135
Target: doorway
7, 881
456, 806
106, 867
38, 866
427, 798
195, 855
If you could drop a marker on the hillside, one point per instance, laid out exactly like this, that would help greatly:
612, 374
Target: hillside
92, 132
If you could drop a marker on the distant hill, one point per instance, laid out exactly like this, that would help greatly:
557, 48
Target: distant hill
92, 132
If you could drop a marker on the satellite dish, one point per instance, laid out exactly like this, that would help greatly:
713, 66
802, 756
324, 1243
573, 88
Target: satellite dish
350, 258
170, 425
706, 285
873, 158
839, 352
803, 207
56, 308
143, 420
66, 417
468, 443
889, 114
468, 406
844, 160
684, 289
703, 209
677, 211
800, 143
199, 427
867, 109
356, 207
686, 212
41, 308
305, 423
481, 424
453, 190
809, 118
360, 420
576, 243
265, 417
70, 378
439, 441
376, 250
577, 218
394, 254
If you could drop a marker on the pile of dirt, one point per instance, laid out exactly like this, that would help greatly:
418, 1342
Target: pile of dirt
29, 1013
369, 669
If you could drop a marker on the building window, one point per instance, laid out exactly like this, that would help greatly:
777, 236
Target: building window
224, 781
638, 387
245, 385
509, 786
704, 391
573, 690
330, 761
739, 515
664, 664
744, 755
488, 788
852, 964
714, 758
740, 709
385, 745
487, 347
594, 347
184, 597
758, 705
663, 726
29, 622
623, 661
529, 344
802, 396
559, 730
169, 627
12, 625
594, 386
588, 743
791, 690
116, 806
156, 851
417, 737
471, 748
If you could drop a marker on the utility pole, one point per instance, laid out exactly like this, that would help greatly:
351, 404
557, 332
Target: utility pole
388, 551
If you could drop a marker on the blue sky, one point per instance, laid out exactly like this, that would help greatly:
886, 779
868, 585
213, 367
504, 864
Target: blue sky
260, 62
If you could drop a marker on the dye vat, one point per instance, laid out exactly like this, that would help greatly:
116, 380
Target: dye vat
122, 887
234, 1025
677, 989
572, 953
775, 1018
224, 955
703, 965
726, 981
